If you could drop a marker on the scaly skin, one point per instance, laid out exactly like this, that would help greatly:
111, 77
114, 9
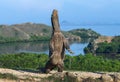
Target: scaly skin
58, 44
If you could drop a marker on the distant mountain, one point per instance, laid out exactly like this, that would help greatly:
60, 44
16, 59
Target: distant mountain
36, 32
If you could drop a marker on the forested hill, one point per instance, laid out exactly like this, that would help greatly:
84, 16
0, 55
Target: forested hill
35, 32
85, 33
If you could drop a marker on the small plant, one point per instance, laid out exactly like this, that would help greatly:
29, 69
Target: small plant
8, 76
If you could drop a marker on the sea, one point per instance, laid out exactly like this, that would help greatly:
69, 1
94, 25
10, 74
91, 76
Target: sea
42, 46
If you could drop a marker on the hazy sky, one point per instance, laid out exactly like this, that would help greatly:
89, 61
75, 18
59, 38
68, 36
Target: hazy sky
70, 11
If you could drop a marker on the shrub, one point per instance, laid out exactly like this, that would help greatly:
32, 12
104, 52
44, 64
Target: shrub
86, 62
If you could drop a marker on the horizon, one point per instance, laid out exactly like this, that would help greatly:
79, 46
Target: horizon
70, 12
95, 24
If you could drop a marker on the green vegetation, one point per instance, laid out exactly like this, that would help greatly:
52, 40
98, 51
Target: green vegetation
109, 49
85, 33
8, 76
8, 39
39, 38
23, 61
93, 63
113, 47
32, 38
89, 48
81, 62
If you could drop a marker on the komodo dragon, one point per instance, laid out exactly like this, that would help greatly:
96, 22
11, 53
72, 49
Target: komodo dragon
57, 46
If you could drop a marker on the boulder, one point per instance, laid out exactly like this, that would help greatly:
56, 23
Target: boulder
106, 78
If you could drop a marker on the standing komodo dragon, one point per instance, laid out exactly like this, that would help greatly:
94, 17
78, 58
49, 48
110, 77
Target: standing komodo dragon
58, 44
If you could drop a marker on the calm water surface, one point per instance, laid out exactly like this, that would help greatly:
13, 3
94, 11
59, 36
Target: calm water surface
37, 47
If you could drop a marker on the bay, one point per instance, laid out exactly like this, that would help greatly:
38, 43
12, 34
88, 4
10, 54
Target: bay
37, 47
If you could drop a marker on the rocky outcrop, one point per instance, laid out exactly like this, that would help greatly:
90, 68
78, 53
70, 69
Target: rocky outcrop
94, 77
94, 44
103, 39
72, 37
66, 76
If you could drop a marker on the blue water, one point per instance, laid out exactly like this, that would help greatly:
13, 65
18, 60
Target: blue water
77, 48
107, 30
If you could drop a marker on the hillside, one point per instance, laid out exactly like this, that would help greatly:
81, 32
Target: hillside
85, 33
35, 32
9, 75
28, 32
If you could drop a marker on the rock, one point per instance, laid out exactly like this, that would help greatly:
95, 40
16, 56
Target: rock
90, 80
59, 75
106, 78
71, 77
103, 39
116, 77
54, 76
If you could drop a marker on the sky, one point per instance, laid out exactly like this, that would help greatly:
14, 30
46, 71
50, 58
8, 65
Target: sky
72, 12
